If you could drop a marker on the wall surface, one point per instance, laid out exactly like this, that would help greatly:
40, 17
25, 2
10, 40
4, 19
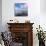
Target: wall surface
43, 14
43, 6
0, 15
35, 15
8, 11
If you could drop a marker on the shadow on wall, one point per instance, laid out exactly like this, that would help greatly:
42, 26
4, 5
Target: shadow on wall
0, 15
43, 6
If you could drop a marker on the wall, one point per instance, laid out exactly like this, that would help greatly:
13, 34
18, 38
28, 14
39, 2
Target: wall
35, 15
0, 15
43, 14
43, 5
8, 11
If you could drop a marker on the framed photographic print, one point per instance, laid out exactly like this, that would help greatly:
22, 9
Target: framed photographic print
21, 9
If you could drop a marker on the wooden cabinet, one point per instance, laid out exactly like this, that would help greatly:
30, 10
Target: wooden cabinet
22, 33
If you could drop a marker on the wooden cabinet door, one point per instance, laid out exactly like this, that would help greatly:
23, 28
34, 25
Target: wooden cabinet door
22, 33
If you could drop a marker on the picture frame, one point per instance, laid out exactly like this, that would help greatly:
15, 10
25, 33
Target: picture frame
21, 9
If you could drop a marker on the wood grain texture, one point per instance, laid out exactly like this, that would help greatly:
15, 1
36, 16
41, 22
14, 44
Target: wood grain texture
23, 27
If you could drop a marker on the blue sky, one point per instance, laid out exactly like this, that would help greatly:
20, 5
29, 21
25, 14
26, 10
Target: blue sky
19, 5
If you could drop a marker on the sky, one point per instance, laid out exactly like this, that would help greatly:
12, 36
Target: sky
21, 5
